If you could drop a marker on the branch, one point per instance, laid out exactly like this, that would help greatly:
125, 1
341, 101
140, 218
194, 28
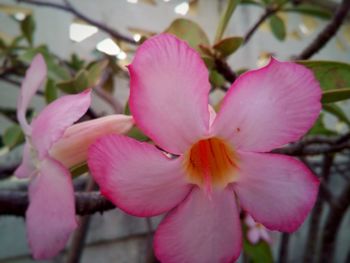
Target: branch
328, 32
316, 214
324, 145
225, 70
16, 203
71, 9
333, 221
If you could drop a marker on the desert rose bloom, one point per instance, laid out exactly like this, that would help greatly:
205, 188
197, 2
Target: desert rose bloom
256, 231
223, 161
52, 146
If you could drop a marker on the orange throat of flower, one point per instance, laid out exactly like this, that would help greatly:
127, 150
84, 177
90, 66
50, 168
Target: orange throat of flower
211, 163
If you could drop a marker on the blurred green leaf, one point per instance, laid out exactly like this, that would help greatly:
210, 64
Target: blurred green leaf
252, 2
336, 111
79, 169
311, 10
216, 78
225, 18
228, 46
319, 128
95, 72
109, 84
76, 63
335, 95
14, 9
50, 91
330, 74
256, 253
277, 27
77, 84
13, 136
55, 71
188, 31
28, 28
259, 253
209, 61
137, 134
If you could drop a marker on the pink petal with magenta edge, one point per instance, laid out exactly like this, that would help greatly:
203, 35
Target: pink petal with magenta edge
54, 119
201, 230
269, 107
276, 190
33, 80
26, 168
50, 217
169, 90
137, 177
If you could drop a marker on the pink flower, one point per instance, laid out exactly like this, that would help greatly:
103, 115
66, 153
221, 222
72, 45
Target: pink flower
256, 231
52, 146
221, 163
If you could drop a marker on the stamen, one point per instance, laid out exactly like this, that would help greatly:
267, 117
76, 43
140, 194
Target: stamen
211, 162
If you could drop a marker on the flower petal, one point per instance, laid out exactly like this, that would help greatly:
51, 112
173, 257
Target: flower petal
51, 214
72, 148
267, 108
265, 235
51, 123
169, 90
34, 78
276, 190
253, 235
137, 177
201, 230
26, 168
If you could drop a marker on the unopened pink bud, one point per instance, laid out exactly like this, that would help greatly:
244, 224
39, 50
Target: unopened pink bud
72, 148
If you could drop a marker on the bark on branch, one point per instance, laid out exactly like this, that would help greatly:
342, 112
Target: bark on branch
16, 203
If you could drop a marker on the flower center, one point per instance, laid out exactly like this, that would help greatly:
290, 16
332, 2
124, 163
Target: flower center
211, 162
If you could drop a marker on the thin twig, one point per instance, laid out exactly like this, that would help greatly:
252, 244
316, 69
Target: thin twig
327, 33
68, 7
315, 218
78, 240
269, 11
332, 225
283, 252
225, 70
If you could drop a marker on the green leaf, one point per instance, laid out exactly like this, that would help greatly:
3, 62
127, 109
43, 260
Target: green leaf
259, 253
278, 27
137, 134
77, 84
252, 2
95, 71
14, 9
79, 169
76, 63
228, 46
225, 18
50, 91
209, 61
216, 78
109, 84
311, 10
330, 74
13, 136
320, 128
55, 71
188, 31
336, 111
335, 95
28, 28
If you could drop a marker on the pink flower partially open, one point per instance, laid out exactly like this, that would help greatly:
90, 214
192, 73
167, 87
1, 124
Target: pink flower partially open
256, 231
52, 146
222, 163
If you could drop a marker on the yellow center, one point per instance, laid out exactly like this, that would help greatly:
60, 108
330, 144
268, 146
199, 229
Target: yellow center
211, 162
